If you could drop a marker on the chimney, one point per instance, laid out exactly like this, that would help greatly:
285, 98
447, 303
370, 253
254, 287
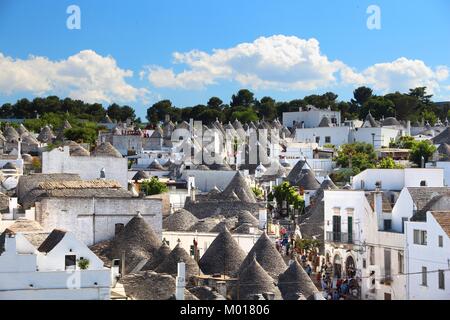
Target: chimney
180, 281
307, 199
115, 272
10, 243
19, 148
378, 207
262, 218
118, 228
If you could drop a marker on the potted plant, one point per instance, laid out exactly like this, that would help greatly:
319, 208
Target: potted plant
83, 263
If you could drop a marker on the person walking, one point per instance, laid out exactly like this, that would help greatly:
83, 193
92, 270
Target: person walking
308, 269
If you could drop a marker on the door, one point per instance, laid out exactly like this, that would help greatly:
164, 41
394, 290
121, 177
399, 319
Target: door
350, 229
337, 228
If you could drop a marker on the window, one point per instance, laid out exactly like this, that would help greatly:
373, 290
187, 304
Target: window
423, 183
420, 237
401, 263
387, 224
371, 255
70, 262
317, 139
336, 228
350, 229
440, 241
424, 276
441, 279
327, 139
364, 263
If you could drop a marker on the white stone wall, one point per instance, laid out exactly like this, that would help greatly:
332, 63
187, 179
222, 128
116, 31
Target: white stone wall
397, 179
55, 285
77, 215
338, 135
382, 138
430, 256
311, 118
205, 180
204, 239
60, 161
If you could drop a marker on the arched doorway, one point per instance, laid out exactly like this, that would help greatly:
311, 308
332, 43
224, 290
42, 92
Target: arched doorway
350, 268
337, 266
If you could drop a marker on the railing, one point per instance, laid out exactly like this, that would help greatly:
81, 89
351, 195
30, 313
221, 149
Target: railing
339, 237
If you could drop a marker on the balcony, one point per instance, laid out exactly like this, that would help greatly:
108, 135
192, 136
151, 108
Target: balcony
339, 237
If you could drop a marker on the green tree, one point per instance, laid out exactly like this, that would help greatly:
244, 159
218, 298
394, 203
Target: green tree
421, 149
153, 186
215, 102
361, 95
244, 98
388, 163
267, 108
288, 193
404, 142
358, 155
378, 107
245, 116
158, 111
80, 134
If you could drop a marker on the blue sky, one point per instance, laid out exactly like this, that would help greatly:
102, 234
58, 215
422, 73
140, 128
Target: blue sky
124, 51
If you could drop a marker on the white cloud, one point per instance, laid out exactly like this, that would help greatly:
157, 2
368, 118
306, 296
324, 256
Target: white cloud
276, 62
85, 75
400, 74
289, 63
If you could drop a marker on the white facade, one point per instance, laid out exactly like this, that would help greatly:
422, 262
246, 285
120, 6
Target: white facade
205, 180
397, 179
311, 117
26, 273
60, 161
204, 240
444, 165
378, 136
423, 284
94, 219
323, 135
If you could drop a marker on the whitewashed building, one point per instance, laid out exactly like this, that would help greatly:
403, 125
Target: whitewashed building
428, 253
62, 267
109, 166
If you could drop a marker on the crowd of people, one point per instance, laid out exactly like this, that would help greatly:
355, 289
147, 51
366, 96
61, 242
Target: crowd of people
337, 288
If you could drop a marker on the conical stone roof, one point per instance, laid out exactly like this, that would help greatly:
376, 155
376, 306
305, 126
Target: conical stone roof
254, 280
160, 255
295, 280
106, 149
246, 217
240, 187
223, 256
180, 220
138, 240
267, 256
170, 264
